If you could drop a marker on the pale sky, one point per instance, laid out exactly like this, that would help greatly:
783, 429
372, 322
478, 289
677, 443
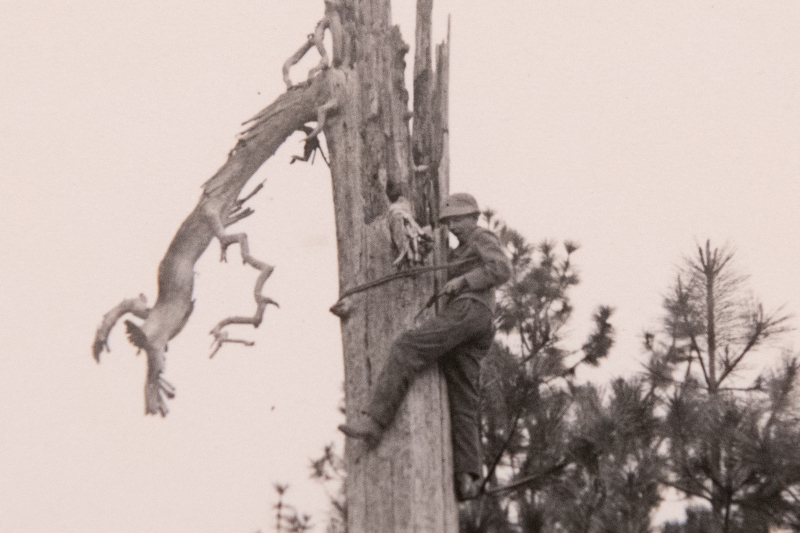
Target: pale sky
636, 128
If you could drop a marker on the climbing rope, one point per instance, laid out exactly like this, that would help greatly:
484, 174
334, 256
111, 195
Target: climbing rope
402, 274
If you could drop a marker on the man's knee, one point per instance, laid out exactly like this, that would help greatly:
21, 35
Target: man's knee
407, 351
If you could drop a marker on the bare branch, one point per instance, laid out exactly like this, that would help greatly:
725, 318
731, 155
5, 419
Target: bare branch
236, 217
262, 301
218, 206
294, 59
240, 202
221, 337
528, 480
316, 39
319, 41
156, 389
136, 306
322, 114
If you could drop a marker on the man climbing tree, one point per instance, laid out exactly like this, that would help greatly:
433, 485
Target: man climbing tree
357, 97
458, 337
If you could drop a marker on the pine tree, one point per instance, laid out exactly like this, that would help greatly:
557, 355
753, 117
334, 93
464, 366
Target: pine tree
732, 437
527, 387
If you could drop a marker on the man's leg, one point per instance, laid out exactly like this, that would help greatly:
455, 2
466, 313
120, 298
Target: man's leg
461, 368
419, 348
413, 351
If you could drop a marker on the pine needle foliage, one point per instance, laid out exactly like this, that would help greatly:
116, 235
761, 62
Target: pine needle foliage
559, 456
729, 422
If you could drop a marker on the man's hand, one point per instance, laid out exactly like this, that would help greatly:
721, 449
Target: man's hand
454, 286
411, 241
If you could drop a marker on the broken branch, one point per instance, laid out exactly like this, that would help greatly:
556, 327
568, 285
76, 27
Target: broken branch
218, 206
322, 115
261, 300
136, 306
294, 59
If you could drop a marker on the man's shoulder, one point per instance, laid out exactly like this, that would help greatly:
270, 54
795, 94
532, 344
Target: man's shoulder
480, 230
483, 235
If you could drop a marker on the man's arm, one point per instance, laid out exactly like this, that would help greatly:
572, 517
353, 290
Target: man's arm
494, 269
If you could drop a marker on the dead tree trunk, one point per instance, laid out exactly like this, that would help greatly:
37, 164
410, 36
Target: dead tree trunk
406, 483
359, 100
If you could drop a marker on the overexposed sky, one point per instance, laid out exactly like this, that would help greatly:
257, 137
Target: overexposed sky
635, 128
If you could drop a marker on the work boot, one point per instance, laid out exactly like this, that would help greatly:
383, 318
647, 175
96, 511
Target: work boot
365, 429
466, 487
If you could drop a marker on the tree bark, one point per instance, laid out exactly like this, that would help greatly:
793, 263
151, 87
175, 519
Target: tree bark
405, 484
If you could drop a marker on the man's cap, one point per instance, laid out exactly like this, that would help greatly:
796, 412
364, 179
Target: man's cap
458, 204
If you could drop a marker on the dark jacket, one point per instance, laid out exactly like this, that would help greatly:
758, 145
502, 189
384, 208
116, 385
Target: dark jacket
488, 269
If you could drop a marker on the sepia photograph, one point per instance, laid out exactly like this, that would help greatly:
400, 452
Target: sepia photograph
395, 266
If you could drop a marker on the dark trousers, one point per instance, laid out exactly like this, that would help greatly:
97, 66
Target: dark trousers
457, 339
